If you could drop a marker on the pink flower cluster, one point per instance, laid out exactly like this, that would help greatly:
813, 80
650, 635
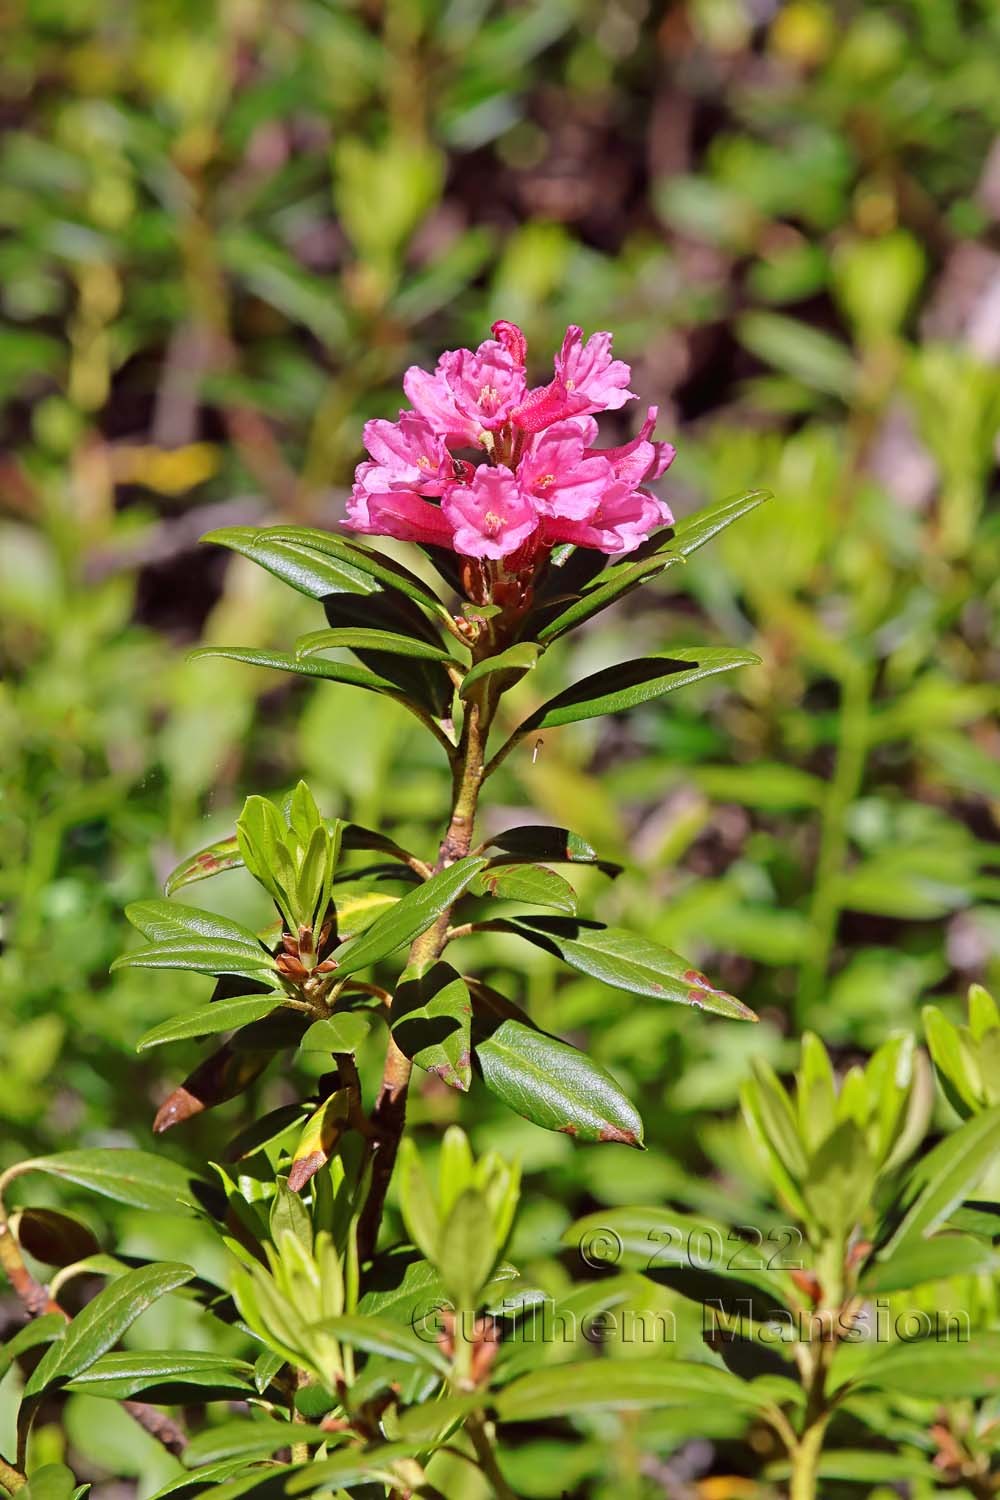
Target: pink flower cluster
542, 481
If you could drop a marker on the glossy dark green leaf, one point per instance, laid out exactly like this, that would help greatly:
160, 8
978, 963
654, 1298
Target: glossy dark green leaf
138, 1178
619, 688
627, 962
184, 937
222, 1015
533, 884
356, 556
623, 1385
409, 917
370, 640
210, 1474
517, 659
306, 570
556, 1086
119, 1376
224, 854
554, 845
102, 1322
939, 1182
695, 530
283, 661
431, 1016
608, 589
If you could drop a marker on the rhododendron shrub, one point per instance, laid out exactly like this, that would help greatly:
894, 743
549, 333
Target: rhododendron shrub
340, 1248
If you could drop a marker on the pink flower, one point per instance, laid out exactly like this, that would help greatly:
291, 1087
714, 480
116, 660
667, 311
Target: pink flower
491, 516
469, 394
399, 513
544, 482
558, 475
410, 453
640, 459
620, 523
587, 379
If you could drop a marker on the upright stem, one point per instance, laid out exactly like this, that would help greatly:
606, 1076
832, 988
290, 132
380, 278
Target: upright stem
389, 1113
844, 788
805, 1461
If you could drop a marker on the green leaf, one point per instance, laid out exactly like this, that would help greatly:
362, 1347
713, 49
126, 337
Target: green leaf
364, 560
556, 1086
954, 1062
351, 1468
467, 1251
184, 937
517, 660
417, 1201
380, 1336
208, 1474
102, 1322
554, 845
939, 1182
610, 586
247, 1438
620, 1385
937, 1369
693, 1254
431, 1017
41, 1330
810, 356
408, 918
137, 1178
121, 1375
302, 567
695, 530
619, 688
221, 1015
627, 962
172, 922
216, 958
224, 854
282, 661
531, 883
930, 1260
370, 640
50, 1482
342, 1032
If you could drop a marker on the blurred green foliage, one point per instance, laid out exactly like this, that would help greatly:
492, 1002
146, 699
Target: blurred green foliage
228, 229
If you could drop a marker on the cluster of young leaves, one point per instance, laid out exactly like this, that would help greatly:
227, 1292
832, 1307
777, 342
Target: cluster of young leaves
889, 1321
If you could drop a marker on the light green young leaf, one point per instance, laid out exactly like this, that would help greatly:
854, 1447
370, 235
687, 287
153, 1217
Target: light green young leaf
939, 1182
408, 918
